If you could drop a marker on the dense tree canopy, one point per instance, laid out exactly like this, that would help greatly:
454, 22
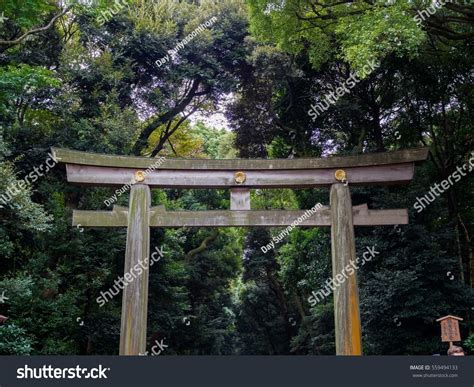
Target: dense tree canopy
86, 75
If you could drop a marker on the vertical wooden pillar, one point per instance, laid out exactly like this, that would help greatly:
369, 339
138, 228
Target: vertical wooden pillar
346, 295
135, 294
239, 199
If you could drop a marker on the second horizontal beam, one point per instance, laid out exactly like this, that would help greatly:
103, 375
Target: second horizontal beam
159, 217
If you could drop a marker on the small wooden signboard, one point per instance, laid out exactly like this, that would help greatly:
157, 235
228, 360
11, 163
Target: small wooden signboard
450, 328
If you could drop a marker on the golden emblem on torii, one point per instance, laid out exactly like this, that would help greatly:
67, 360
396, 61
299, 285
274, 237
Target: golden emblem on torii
139, 176
340, 175
240, 177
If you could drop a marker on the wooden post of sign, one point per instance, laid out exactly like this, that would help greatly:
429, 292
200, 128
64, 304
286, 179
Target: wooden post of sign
346, 295
135, 294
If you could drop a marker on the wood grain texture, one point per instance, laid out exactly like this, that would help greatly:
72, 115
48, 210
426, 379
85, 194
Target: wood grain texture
346, 295
135, 294
159, 217
383, 158
109, 170
239, 199
291, 178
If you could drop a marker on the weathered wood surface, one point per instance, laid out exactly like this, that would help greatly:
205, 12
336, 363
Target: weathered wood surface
159, 217
239, 199
135, 294
379, 168
450, 329
295, 178
346, 296
373, 159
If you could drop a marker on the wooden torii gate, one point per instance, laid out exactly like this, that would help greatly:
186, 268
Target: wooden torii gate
239, 176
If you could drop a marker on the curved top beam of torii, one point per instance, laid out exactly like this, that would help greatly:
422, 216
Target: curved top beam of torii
110, 170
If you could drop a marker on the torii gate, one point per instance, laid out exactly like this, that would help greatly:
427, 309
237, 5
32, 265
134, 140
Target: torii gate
239, 176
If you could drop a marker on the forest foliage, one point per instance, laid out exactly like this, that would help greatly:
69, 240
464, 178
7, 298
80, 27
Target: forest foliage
71, 77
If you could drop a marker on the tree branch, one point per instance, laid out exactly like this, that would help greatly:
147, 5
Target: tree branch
34, 30
203, 246
168, 133
168, 116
